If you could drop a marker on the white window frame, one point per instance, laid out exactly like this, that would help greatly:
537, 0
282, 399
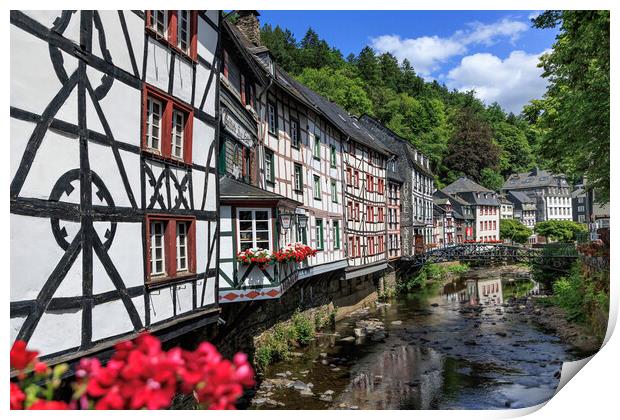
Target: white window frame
187, 24
334, 191
316, 191
298, 183
154, 20
154, 247
149, 122
176, 135
254, 230
272, 123
182, 244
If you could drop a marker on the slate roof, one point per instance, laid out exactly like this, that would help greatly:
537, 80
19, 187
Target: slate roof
242, 42
537, 178
231, 189
464, 184
404, 148
520, 197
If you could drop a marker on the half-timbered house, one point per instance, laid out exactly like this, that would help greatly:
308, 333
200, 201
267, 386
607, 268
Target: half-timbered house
417, 188
113, 176
298, 181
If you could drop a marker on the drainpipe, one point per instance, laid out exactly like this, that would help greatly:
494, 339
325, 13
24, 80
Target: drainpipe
345, 219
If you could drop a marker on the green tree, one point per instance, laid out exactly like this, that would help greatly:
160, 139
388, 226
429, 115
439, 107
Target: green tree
516, 153
575, 110
560, 230
368, 66
514, 230
389, 71
471, 148
282, 45
338, 86
491, 179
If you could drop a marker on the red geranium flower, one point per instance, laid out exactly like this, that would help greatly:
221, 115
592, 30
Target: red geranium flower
17, 397
20, 357
49, 405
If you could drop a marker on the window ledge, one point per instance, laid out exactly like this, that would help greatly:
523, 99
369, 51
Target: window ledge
163, 280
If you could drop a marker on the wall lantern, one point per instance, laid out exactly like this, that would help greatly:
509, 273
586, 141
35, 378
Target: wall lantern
302, 221
285, 220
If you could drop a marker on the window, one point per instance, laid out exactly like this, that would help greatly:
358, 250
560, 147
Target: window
352, 247
182, 228
317, 187
168, 126
370, 183
269, 166
272, 118
380, 240
153, 124
183, 30
357, 179
371, 246
319, 234
380, 186
370, 214
316, 151
349, 176
357, 212
380, 215
171, 247
336, 233
295, 133
254, 227
159, 22
157, 248
332, 156
178, 127
176, 28
334, 191
299, 178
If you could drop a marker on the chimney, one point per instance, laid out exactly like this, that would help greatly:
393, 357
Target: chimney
248, 23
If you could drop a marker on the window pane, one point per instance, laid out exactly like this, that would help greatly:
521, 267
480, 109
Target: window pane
263, 245
245, 225
262, 215
245, 215
262, 225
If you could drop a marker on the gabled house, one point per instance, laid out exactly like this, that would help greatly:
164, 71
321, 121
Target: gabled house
483, 202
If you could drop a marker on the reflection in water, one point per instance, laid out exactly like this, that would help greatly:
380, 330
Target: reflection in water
455, 346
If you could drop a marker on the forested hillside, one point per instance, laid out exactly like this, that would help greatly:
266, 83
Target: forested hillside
567, 131
456, 130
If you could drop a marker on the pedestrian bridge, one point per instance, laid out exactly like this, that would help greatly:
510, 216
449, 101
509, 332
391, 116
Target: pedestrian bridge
552, 255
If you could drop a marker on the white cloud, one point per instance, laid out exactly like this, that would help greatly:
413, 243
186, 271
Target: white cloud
511, 82
427, 53
424, 53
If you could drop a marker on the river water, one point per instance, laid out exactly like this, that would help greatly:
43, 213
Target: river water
456, 345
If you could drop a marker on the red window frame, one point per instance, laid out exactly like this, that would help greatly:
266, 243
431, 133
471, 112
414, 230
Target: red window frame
371, 183
352, 247
357, 179
169, 104
170, 247
371, 246
358, 246
357, 212
171, 38
380, 245
380, 215
349, 176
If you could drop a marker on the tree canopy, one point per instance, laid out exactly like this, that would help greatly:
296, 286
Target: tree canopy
514, 230
573, 116
560, 230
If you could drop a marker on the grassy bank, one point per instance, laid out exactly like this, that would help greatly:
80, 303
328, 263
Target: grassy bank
584, 296
429, 273
278, 342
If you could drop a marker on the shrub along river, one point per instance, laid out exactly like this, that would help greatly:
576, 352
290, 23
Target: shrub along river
462, 344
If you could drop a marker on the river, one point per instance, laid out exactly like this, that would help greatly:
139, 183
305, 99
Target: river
454, 345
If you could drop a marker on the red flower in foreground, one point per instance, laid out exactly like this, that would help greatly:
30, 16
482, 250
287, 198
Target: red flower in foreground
49, 405
20, 357
17, 397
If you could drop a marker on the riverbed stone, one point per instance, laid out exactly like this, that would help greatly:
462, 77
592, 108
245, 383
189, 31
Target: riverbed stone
348, 339
397, 322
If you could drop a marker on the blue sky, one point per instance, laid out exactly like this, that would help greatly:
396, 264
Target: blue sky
493, 52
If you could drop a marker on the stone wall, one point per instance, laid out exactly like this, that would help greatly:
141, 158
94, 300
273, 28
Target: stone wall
246, 321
